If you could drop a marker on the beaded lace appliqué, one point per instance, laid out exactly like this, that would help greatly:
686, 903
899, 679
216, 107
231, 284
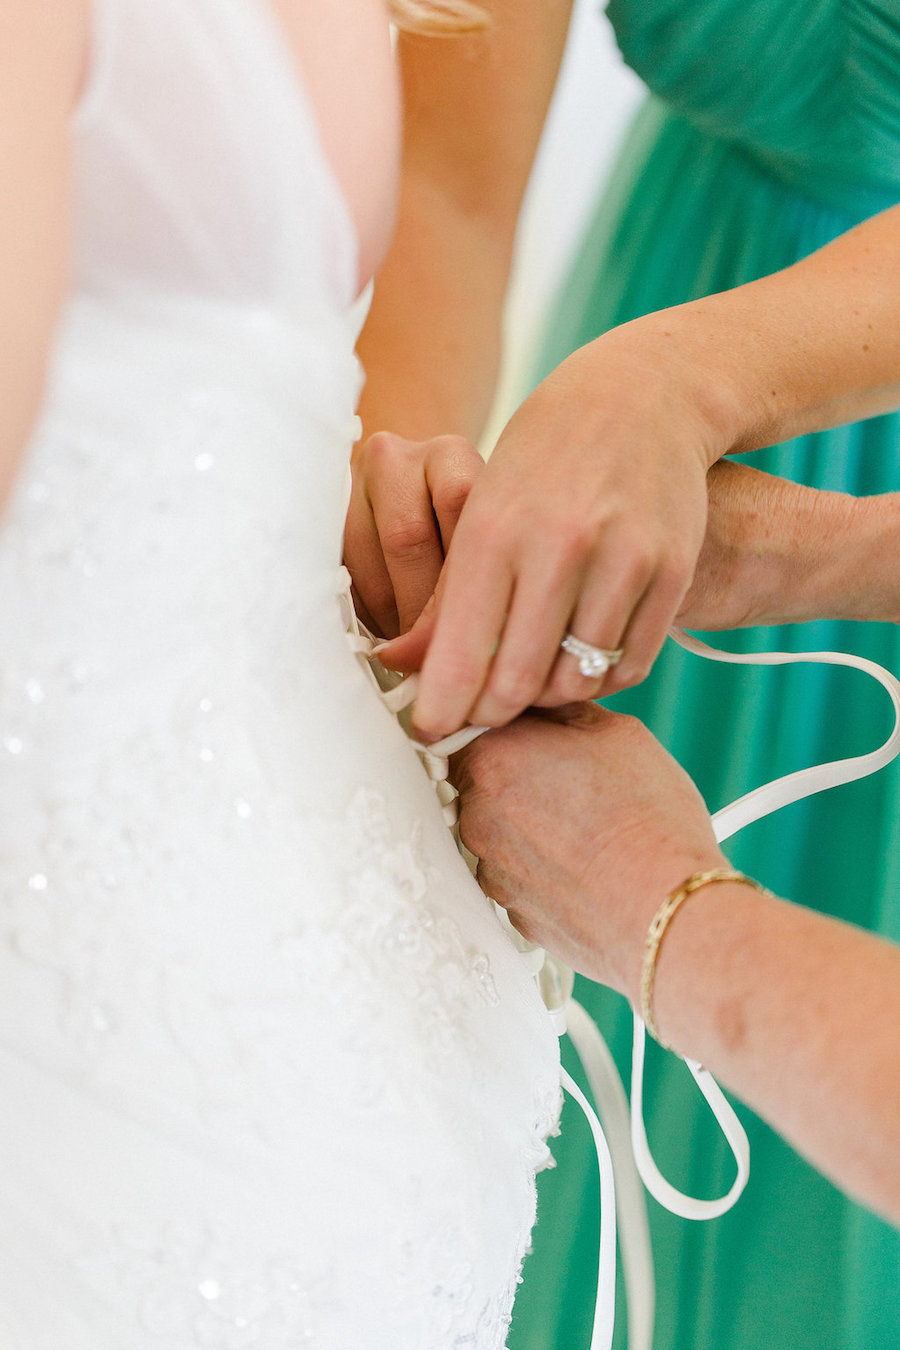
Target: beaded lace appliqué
188, 1291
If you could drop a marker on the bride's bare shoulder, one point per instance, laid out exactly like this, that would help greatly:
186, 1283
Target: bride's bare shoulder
343, 50
45, 48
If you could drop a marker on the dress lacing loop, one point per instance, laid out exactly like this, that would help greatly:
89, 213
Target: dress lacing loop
623, 1152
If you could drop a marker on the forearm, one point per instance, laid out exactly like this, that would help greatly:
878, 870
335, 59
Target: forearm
839, 558
799, 1015
474, 110
780, 552
583, 824
813, 346
432, 343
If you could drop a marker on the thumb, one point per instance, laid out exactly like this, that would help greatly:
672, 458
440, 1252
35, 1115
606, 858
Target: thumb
407, 652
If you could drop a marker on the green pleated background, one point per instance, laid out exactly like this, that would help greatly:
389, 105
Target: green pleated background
772, 126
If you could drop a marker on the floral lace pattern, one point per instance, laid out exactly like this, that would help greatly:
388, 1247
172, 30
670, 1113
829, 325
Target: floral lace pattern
188, 1291
187, 968
249, 994
233, 1045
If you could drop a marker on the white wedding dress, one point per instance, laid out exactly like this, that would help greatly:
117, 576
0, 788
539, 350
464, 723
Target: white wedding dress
272, 1075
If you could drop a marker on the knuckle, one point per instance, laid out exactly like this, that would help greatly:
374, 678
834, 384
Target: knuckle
457, 671
635, 541
576, 540
585, 534
572, 688
513, 689
483, 552
411, 536
381, 445
451, 495
639, 564
628, 673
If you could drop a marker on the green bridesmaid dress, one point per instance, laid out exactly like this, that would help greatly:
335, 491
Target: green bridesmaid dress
771, 127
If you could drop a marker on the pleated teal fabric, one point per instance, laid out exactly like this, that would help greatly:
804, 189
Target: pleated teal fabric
772, 126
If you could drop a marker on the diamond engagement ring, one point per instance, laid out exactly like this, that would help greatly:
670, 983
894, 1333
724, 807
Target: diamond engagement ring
592, 661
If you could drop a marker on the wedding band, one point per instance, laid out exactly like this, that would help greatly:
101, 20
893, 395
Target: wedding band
592, 661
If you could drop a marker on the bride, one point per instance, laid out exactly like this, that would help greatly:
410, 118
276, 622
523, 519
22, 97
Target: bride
272, 1074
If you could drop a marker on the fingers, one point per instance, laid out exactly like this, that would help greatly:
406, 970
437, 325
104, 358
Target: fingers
600, 617
461, 649
403, 524
599, 545
452, 467
373, 591
406, 501
632, 616
495, 648
648, 626
467, 765
529, 647
502, 611
494, 642
417, 492
407, 652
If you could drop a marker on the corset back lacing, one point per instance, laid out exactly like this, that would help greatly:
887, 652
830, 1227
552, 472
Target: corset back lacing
623, 1151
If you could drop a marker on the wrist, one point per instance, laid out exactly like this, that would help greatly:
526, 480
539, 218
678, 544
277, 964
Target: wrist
867, 574
703, 965
840, 559
696, 351
803, 553
643, 915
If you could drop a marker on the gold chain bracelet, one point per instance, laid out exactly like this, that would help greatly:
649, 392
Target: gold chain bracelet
659, 926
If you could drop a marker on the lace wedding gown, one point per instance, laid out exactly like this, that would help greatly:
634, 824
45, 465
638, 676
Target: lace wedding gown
272, 1076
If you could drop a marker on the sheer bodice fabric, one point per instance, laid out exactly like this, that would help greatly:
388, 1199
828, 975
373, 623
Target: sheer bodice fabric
195, 114
272, 1074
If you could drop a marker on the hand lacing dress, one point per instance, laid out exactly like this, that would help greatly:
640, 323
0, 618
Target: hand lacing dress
272, 1075
771, 128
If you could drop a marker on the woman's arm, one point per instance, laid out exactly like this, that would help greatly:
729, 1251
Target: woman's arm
583, 824
800, 1015
779, 552
590, 515
474, 108
42, 61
